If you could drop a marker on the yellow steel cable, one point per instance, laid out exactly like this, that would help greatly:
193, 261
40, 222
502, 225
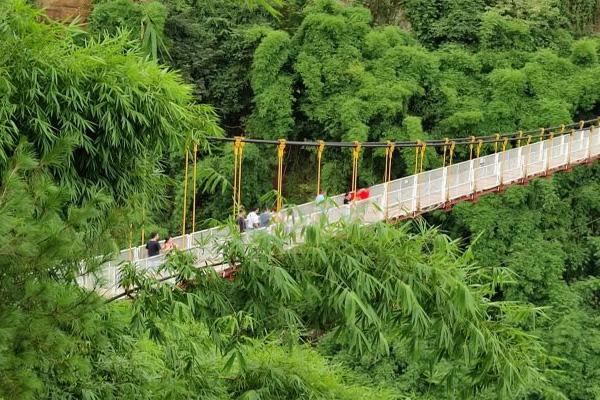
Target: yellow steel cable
405, 144
389, 154
446, 141
562, 128
520, 137
479, 145
236, 149
143, 222
423, 148
194, 188
280, 153
240, 159
319, 157
130, 242
504, 144
472, 141
496, 140
391, 147
355, 157
581, 124
385, 169
452, 146
542, 131
417, 156
185, 183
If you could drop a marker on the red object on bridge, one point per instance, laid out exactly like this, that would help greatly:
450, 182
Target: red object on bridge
363, 194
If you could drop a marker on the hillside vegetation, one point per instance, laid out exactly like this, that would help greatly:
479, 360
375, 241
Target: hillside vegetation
494, 300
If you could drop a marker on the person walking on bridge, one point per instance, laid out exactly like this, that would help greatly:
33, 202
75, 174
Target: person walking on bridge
153, 246
320, 198
252, 221
241, 221
169, 244
265, 218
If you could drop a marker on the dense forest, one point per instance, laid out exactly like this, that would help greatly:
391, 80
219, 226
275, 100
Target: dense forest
491, 300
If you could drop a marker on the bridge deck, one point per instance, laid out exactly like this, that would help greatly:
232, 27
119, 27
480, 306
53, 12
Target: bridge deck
400, 198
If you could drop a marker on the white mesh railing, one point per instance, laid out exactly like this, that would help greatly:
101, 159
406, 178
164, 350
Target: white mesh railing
399, 198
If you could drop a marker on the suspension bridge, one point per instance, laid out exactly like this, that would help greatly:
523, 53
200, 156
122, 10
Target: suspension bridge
530, 156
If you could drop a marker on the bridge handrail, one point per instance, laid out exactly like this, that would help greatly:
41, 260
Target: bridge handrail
417, 193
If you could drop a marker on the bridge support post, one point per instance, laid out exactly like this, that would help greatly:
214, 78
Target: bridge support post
520, 164
569, 149
497, 169
548, 155
444, 191
472, 178
415, 203
588, 148
526, 160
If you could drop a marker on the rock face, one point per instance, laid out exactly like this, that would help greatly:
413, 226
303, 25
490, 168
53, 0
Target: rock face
67, 10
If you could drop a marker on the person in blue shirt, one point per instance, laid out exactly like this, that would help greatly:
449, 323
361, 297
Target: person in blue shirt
320, 198
265, 218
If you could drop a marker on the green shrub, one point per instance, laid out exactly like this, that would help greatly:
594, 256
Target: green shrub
145, 21
505, 33
113, 15
584, 52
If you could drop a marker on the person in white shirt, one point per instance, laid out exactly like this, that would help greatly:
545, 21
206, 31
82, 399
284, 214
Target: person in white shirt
253, 221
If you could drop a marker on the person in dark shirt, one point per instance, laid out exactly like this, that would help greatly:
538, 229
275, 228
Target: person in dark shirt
265, 218
241, 221
153, 246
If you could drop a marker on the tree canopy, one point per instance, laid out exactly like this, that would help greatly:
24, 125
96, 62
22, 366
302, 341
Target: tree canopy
96, 123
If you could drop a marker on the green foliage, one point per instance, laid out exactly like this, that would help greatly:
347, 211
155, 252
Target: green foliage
145, 21
99, 118
89, 133
326, 72
274, 99
46, 239
270, 6
582, 14
499, 32
547, 234
585, 52
386, 11
211, 43
59, 341
110, 16
426, 297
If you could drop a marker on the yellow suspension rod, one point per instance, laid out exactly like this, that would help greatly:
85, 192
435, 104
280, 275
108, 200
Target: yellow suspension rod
355, 158
185, 184
194, 187
280, 153
319, 157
